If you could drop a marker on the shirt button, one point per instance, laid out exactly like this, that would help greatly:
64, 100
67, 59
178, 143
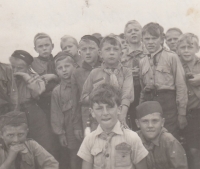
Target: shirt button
107, 155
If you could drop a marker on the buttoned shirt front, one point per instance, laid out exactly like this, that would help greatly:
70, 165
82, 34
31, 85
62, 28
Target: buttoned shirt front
167, 74
167, 152
33, 155
124, 149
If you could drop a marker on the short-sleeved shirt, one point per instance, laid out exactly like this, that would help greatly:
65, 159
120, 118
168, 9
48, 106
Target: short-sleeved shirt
34, 155
165, 152
125, 149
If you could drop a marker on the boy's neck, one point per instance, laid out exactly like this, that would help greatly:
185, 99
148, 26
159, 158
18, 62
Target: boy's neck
113, 66
107, 130
135, 46
76, 58
191, 63
65, 81
45, 58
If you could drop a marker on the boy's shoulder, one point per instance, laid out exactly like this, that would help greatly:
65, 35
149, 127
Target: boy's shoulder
56, 89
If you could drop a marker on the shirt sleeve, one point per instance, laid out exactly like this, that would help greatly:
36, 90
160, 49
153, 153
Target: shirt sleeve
127, 88
177, 156
57, 117
139, 152
141, 84
43, 158
85, 150
181, 88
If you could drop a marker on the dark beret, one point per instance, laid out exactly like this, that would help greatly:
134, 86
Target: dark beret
148, 107
62, 54
23, 55
13, 118
92, 38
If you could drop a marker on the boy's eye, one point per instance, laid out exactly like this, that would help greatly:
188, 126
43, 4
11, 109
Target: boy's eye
20, 135
10, 135
91, 48
107, 49
129, 31
116, 49
83, 49
136, 30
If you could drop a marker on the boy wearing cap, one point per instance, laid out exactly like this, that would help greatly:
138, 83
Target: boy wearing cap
134, 53
110, 146
171, 38
27, 87
165, 152
89, 51
70, 45
112, 72
18, 152
162, 79
62, 118
187, 47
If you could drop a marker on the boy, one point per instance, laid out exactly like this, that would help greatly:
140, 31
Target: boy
62, 120
18, 152
162, 79
70, 45
171, 38
187, 47
110, 145
112, 72
6, 80
89, 51
165, 152
134, 53
27, 87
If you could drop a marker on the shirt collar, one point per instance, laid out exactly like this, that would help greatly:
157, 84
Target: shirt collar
119, 66
130, 50
116, 129
153, 54
156, 141
65, 84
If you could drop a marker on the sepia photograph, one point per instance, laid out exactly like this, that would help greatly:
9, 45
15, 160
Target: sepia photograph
100, 84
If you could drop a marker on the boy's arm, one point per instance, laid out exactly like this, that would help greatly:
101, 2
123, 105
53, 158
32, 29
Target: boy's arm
142, 164
141, 84
86, 165
87, 89
43, 158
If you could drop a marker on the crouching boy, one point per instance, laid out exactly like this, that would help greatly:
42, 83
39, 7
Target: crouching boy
61, 110
165, 152
18, 152
110, 146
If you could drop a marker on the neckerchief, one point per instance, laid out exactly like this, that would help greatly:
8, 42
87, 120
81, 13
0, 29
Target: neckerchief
87, 66
50, 64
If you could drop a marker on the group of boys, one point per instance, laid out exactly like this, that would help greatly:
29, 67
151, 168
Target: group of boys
103, 81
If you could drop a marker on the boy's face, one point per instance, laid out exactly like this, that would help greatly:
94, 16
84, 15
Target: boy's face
171, 39
187, 51
44, 47
64, 69
70, 47
123, 43
133, 34
111, 54
152, 43
14, 134
19, 66
89, 51
106, 115
150, 125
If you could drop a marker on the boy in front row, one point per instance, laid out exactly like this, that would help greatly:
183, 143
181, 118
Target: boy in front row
112, 72
62, 120
165, 152
18, 152
110, 146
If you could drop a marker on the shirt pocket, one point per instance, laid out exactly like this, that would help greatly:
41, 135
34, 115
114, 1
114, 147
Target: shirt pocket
98, 157
98, 81
163, 75
122, 158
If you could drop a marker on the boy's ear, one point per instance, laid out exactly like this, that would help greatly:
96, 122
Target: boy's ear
92, 112
119, 109
35, 49
137, 123
52, 46
163, 122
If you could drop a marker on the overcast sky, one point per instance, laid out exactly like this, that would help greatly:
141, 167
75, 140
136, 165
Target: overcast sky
20, 20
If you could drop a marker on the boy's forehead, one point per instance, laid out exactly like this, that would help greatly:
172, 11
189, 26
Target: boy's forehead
108, 44
13, 129
87, 43
152, 116
42, 40
132, 25
65, 61
173, 33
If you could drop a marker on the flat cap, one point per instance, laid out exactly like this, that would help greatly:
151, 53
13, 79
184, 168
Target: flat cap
23, 55
148, 107
92, 38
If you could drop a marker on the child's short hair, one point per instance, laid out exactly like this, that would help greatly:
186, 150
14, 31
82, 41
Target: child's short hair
121, 36
13, 118
67, 37
153, 29
132, 22
105, 93
41, 36
64, 55
111, 39
87, 38
190, 38
174, 29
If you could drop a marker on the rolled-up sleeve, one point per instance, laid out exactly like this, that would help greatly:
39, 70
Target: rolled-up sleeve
181, 88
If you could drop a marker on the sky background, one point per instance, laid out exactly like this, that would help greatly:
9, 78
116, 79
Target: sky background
21, 20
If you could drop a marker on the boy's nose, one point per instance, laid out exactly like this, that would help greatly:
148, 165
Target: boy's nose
15, 139
105, 111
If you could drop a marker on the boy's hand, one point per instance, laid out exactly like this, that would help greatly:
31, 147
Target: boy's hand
63, 140
78, 134
25, 76
182, 121
195, 81
135, 70
15, 149
49, 77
